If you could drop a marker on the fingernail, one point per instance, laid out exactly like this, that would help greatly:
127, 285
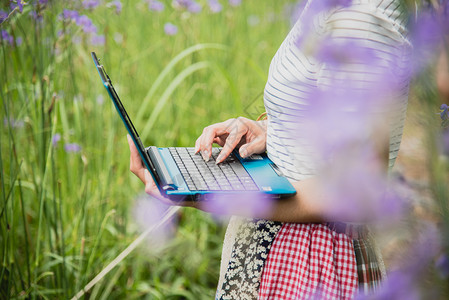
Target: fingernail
244, 153
217, 161
205, 155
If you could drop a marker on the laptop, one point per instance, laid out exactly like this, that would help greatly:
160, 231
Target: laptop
182, 175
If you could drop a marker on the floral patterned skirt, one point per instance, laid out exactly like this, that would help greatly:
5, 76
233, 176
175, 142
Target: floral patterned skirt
273, 260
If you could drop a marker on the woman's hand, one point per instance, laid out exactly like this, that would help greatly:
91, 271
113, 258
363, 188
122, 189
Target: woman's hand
248, 135
138, 168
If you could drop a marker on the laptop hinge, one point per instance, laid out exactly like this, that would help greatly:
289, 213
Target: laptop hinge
160, 167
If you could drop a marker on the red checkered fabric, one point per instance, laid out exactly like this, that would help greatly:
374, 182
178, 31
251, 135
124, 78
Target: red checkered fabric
309, 261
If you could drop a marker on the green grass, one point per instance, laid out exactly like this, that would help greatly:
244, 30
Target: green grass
65, 216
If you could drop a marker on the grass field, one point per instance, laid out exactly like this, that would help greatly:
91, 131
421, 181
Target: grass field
69, 204
67, 193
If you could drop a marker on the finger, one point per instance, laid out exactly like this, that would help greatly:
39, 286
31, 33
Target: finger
255, 146
207, 138
135, 162
231, 142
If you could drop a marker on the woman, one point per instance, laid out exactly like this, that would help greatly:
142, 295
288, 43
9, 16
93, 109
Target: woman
298, 251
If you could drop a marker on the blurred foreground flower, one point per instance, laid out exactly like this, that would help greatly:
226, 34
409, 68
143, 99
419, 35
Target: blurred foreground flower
155, 5
147, 212
55, 139
117, 4
250, 205
91, 4
72, 148
215, 6
235, 2
170, 29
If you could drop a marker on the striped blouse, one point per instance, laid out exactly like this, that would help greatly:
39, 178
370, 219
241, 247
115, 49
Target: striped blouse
295, 74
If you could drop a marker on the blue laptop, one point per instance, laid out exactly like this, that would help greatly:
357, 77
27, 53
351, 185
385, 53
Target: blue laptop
182, 175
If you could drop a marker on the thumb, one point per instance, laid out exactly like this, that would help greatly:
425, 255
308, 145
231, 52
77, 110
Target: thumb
247, 150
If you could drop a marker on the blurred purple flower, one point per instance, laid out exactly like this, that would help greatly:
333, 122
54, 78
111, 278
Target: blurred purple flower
404, 281
19, 41
251, 205
72, 148
36, 16
7, 38
117, 4
97, 40
3, 15
91, 4
149, 211
86, 24
170, 29
70, 14
235, 2
55, 139
444, 113
215, 6
445, 141
190, 5
155, 5
19, 4
442, 265
43, 2
194, 8
13, 123
427, 33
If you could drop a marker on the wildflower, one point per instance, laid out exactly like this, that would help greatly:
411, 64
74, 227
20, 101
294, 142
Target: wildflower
215, 6
72, 148
19, 5
86, 24
117, 4
170, 29
13, 123
5, 36
148, 212
36, 16
156, 5
444, 113
97, 40
3, 15
194, 8
235, 2
55, 139
90, 4
70, 14
442, 265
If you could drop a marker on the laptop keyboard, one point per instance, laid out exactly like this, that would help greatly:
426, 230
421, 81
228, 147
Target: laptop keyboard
199, 175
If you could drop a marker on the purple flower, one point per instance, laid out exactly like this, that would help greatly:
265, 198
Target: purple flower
149, 212
235, 2
55, 139
3, 15
117, 4
442, 265
194, 8
19, 5
215, 6
19, 41
155, 5
90, 4
43, 2
170, 29
13, 123
69, 14
7, 38
97, 40
444, 114
36, 16
72, 148
86, 24
251, 205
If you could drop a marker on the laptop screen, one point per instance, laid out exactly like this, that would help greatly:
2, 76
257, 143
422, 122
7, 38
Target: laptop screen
124, 115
